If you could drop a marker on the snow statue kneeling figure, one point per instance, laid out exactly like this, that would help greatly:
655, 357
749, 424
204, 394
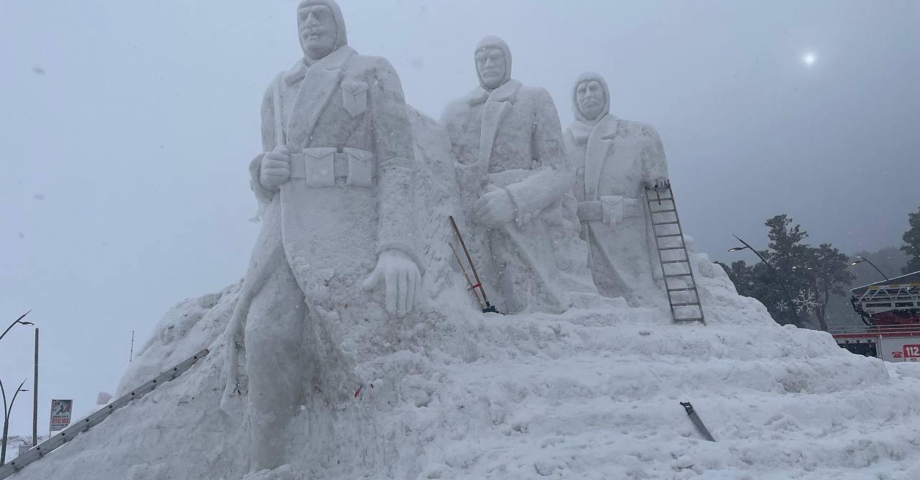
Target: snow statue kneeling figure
614, 159
337, 241
513, 173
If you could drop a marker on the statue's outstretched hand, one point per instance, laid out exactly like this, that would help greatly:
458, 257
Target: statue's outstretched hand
401, 277
494, 208
276, 168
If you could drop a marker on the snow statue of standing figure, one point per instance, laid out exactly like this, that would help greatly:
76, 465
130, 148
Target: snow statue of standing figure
614, 159
513, 173
337, 245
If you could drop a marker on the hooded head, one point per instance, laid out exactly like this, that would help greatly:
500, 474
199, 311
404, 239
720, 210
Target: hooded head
493, 62
320, 27
590, 98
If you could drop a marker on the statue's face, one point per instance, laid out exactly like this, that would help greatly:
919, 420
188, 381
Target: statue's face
491, 65
317, 29
590, 98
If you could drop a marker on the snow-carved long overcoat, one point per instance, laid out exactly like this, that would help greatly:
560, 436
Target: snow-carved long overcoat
511, 138
613, 160
350, 198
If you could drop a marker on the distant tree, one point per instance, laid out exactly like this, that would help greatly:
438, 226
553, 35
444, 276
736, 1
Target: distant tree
829, 274
803, 279
790, 258
912, 243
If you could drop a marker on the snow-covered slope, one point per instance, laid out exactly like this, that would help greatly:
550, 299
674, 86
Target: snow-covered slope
590, 394
450, 393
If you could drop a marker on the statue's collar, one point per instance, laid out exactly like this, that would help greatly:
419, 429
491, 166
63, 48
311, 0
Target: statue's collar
504, 93
606, 126
330, 62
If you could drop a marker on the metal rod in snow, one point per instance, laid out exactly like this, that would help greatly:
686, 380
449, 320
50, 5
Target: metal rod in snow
469, 259
467, 276
131, 357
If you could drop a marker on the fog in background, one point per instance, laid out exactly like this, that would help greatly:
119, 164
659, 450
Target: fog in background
126, 129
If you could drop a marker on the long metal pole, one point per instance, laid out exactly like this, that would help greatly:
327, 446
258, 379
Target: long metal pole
873, 266
469, 259
35, 396
6, 419
778, 279
18, 320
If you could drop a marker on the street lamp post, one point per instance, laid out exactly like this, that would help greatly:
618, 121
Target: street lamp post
864, 259
772, 270
18, 321
7, 409
35, 396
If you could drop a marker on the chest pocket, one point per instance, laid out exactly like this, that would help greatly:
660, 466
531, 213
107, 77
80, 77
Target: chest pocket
354, 97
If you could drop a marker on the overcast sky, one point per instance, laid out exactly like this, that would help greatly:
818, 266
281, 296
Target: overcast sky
126, 128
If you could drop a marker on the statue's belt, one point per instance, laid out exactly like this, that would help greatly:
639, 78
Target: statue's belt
609, 207
331, 166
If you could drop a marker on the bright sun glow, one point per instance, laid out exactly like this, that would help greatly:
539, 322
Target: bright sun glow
809, 59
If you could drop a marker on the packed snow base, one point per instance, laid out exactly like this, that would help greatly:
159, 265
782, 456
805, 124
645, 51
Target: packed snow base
590, 394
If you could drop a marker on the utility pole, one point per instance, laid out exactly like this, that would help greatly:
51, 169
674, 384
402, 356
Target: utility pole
35, 396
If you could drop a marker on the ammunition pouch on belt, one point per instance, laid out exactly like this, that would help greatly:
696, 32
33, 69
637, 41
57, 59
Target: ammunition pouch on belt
330, 166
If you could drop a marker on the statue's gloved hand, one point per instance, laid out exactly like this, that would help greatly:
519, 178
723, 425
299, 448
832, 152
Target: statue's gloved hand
659, 183
401, 277
276, 168
494, 208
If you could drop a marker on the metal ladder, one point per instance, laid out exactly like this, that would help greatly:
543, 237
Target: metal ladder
46, 447
683, 295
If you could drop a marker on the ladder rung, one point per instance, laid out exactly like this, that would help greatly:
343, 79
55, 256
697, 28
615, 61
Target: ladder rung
681, 289
695, 319
670, 235
679, 275
662, 211
687, 304
666, 223
672, 248
676, 261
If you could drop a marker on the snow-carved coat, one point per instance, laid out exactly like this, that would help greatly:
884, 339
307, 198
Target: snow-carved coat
614, 159
358, 160
350, 196
511, 138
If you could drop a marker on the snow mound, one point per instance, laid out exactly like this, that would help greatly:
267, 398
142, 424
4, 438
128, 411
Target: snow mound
451, 393
590, 394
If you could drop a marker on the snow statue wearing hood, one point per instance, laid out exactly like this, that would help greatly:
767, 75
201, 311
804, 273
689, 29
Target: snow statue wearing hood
614, 159
337, 245
513, 173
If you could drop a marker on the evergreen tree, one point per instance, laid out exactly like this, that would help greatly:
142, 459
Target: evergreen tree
802, 280
912, 243
829, 274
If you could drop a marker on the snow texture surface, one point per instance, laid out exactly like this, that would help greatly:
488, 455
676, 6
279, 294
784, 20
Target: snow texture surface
589, 394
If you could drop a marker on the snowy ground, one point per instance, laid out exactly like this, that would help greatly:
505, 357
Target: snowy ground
590, 394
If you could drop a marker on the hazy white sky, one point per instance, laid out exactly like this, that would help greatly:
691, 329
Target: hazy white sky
126, 129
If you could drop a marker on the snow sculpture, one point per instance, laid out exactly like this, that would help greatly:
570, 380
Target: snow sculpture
614, 159
336, 187
513, 173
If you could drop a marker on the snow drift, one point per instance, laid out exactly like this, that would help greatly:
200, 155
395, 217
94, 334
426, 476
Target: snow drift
450, 393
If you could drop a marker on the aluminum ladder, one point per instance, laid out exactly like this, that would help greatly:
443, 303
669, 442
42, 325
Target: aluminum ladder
48, 446
683, 295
